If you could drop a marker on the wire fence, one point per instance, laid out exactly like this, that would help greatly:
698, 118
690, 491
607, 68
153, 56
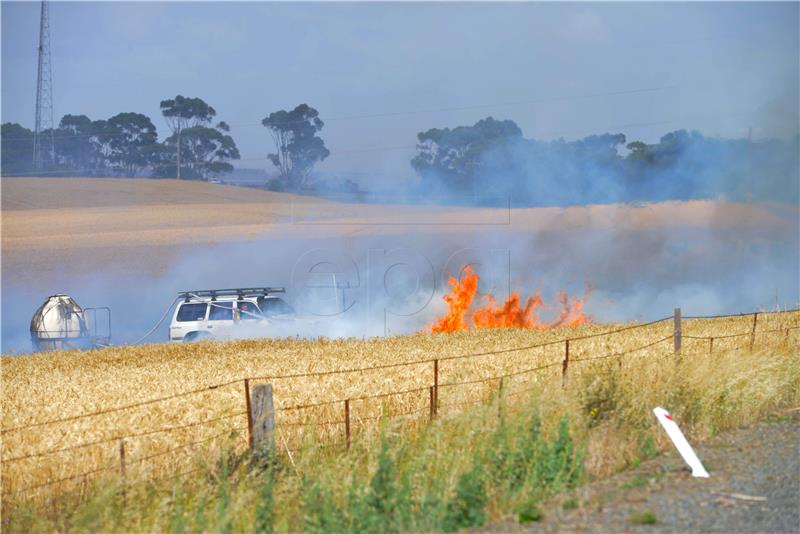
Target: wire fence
119, 408
430, 405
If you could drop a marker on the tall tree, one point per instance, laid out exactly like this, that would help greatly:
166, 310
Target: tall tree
17, 149
298, 147
161, 157
185, 112
131, 137
207, 151
81, 144
453, 158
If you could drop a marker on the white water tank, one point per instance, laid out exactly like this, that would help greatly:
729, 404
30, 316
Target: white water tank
59, 323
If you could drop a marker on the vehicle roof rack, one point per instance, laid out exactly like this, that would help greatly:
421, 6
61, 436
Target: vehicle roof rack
237, 292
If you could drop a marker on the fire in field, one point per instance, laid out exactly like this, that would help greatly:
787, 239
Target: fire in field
463, 313
445, 290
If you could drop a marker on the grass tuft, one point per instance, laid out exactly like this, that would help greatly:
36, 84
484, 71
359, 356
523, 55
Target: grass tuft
636, 482
530, 516
570, 504
643, 518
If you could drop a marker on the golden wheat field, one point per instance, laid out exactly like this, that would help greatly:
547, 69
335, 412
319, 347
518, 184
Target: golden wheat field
50, 440
133, 226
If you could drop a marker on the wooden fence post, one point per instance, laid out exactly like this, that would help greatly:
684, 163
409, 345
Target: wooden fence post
565, 364
677, 330
711, 346
262, 416
500, 400
753, 333
435, 387
122, 470
347, 423
433, 405
249, 410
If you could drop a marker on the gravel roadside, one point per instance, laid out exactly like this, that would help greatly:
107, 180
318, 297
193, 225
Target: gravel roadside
754, 487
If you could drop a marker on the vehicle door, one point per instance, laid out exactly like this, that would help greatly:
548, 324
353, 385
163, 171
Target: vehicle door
220, 319
189, 317
249, 317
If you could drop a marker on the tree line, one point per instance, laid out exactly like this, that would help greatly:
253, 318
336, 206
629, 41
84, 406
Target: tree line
491, 161
480, 163
126, 145
197, 148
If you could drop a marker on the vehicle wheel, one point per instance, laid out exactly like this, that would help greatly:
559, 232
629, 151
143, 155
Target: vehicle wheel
196, 336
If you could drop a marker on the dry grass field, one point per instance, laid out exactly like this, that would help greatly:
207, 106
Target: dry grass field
141, 226
68, 385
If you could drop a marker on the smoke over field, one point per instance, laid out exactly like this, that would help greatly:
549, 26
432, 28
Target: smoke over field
390, 264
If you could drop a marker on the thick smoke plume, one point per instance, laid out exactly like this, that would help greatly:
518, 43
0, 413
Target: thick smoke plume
640, 265
384, 277
491, 160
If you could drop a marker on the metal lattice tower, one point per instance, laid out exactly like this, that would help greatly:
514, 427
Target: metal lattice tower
43, 140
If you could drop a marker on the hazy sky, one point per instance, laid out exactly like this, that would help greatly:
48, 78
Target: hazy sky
381, 72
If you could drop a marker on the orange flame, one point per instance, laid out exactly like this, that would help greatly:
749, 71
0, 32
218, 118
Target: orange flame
458, 301
510, 315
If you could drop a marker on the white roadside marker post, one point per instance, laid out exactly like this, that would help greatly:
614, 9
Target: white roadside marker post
677, 437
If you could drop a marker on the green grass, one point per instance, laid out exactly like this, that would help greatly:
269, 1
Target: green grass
444, 478
647, 447
778, 419
570, 504
530, 516
636, 482
643, 518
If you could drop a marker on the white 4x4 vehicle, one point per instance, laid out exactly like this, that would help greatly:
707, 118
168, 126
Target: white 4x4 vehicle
226, 313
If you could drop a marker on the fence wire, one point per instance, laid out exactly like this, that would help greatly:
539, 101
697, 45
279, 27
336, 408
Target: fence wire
119, 408
318, 424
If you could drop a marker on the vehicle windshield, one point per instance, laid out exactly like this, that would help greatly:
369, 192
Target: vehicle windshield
195, 311
274, 306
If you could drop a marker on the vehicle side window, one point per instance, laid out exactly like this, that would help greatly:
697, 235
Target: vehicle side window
248, 311
195, 311
221, 311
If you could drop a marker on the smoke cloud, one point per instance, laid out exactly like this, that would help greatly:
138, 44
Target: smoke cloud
641, 263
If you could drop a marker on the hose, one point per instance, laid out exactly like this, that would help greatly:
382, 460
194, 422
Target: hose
158, 323
149, 332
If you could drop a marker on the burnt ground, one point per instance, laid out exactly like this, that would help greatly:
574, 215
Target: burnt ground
754, 487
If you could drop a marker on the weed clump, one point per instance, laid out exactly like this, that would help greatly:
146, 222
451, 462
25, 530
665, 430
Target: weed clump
643, 518
466, 507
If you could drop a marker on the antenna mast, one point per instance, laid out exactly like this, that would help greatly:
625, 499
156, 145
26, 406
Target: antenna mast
43, 140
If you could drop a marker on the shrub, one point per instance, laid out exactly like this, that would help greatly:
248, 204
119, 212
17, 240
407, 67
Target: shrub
265, 508
321, 512
388, 502
466, 507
